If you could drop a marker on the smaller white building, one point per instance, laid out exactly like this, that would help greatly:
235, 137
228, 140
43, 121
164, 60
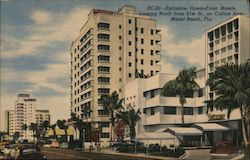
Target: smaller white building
159, 112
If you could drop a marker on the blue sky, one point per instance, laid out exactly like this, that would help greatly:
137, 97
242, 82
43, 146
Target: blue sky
36, 36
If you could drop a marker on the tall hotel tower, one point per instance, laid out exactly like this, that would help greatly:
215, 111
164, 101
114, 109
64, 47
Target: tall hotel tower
227, 42
112, 48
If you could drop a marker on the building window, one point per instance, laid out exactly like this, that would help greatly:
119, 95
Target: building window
188, 111
152, 32
103, 91
152, 111
129, 32
129, 54
104, 124
120, 58
151, 62
103, 25
104, 37
136, 50
152, 94
103, 69
129, 75
129, 21
120, 79
129, 43
142, 30
103, 58
200, 92
152, 42
120, 47
200, 110
136, 39
142, 61
120, 69
151, 73
120, 26
120, 90
129, 64
169, 110
152, 52
142, 51
103, 47
142, 41
104, 135
142, 72
120, 37
103, 79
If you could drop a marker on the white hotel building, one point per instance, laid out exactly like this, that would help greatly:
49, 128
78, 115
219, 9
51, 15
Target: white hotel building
113, 47
25, 113
225, 42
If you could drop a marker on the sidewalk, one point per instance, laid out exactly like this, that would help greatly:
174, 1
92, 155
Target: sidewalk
138, 155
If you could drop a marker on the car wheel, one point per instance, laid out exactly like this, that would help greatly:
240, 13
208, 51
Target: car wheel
114, 148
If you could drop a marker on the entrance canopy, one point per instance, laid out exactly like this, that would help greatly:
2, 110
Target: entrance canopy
155, 135
210, 127
184, 131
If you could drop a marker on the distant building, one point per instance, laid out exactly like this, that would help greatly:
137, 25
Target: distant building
25, 113
41, 116
10, 119
112, 48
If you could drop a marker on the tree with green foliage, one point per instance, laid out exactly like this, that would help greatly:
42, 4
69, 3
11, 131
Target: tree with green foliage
183, 85
130, 117
53, 127
16, 135
62, 125
231, 84
33, 128
112, 104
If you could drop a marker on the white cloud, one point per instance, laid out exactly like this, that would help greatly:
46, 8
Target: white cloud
40, 17
193, 51
66, 28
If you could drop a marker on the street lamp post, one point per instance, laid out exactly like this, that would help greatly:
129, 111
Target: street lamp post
83, 139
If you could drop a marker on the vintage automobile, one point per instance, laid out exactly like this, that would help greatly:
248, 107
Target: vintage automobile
224, 150
54, 144
29, 151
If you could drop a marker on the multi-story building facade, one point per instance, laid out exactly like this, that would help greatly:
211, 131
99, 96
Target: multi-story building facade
111, 49
10, 121
25, 108
227, 42
25, 113
41, 116
159, 112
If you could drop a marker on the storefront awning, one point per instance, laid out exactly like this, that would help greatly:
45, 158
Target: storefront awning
184, 131
154, 136
210, 127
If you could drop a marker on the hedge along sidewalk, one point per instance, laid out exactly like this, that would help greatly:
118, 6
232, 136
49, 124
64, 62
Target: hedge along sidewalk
138, 155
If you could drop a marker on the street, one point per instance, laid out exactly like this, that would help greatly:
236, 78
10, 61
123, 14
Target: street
197, 154
53, 153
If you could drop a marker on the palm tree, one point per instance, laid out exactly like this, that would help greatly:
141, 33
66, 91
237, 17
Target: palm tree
130, 117
112, 104
231, 84
183, 85
33, 128
25, 127
78, 124
86, 113
45, 126
61, 125
53, 127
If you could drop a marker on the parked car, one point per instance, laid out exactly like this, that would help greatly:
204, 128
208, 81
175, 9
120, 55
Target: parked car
54, 144
29, 151
223, 149
64, 145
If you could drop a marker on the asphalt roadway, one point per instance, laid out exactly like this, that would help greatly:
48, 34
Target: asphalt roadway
54, 154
